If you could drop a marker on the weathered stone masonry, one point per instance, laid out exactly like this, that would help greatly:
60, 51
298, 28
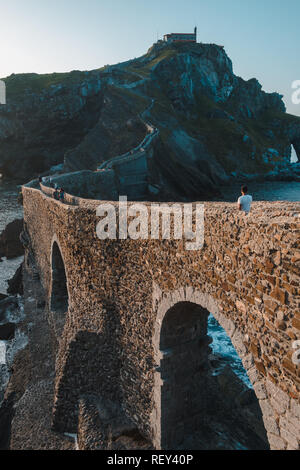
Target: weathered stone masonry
247, 275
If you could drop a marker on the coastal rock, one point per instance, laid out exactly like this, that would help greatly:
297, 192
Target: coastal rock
10, 244
15, 284
7, 306
7, 331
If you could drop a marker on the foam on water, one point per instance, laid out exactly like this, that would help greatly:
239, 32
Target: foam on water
10, 209
16, 315
9, 349
75, 437
19, 342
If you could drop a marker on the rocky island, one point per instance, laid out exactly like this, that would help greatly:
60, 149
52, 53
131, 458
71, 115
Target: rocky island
213, 126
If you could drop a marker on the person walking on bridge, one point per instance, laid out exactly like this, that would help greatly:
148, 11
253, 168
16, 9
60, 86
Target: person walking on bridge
56, 194
62, 195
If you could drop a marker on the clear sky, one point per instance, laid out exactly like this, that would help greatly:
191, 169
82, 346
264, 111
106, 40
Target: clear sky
260, 36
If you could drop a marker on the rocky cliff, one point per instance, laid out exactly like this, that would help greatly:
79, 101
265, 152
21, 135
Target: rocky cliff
212, 125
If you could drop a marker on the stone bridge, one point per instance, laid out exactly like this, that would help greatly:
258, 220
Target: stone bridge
130, 320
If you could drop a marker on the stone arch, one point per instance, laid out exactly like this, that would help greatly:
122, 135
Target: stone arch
59, 293
204, 304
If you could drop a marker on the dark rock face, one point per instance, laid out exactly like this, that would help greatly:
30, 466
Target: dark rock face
6, 414
10, 244
7, 305
7, 331
213, 125
15, 284
43, 120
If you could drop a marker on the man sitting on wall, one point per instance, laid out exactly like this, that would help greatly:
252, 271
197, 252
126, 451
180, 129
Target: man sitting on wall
245, 201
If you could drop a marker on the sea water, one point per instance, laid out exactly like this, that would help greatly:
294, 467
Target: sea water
223, 346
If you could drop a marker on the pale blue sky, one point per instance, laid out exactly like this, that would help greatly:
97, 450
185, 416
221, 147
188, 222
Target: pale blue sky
260, 36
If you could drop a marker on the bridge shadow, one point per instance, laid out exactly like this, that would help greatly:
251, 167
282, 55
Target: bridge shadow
88, 365
204, 404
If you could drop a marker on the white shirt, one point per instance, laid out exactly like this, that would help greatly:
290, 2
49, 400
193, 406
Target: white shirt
245, 202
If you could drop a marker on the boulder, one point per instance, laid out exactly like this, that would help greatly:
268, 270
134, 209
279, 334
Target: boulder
15, 284
7, 331
6, 306
10, 244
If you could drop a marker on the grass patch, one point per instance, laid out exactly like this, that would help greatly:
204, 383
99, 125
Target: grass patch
145, 69
17, 84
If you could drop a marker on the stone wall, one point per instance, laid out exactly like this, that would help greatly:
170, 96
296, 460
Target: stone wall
246, 275
127, 177
86, 184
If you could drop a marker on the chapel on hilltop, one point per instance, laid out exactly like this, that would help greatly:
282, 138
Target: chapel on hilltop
181, 37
